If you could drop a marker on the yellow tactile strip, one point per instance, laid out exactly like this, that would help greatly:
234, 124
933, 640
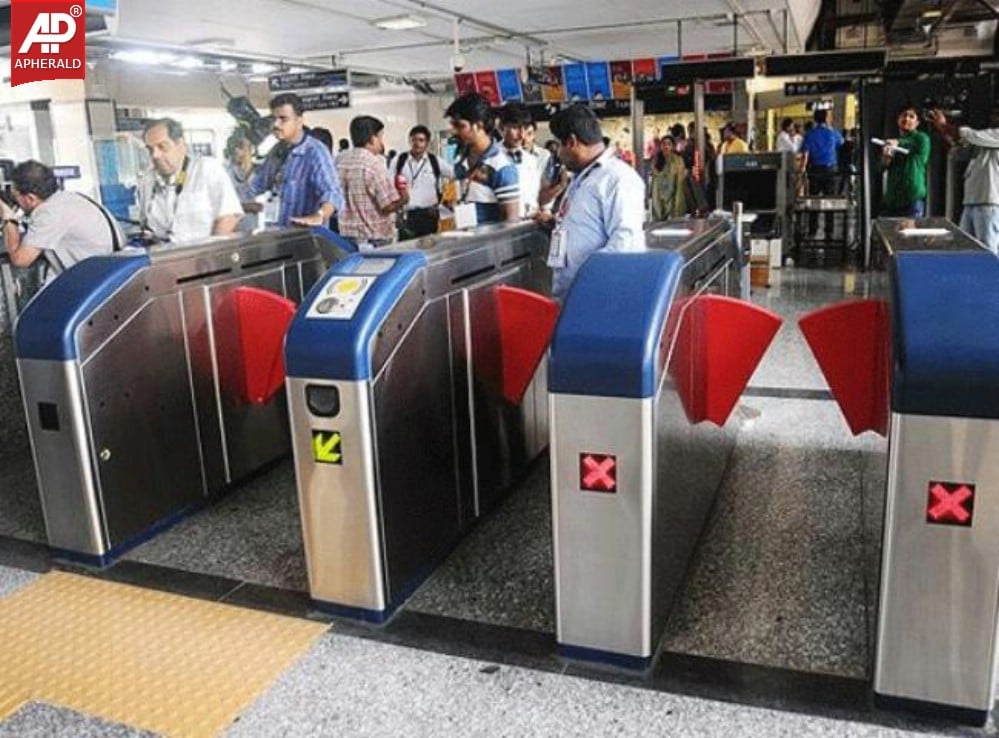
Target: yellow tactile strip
174, 665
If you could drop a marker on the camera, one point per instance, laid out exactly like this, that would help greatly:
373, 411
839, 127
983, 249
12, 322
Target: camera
457, 61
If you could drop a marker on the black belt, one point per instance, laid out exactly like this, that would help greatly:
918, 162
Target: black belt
433, 208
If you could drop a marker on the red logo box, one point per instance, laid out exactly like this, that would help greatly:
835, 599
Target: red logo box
48, 40
950, 503
598, 472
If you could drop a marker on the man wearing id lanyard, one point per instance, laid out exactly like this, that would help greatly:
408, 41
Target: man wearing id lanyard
185, 198
604, 205
490, 184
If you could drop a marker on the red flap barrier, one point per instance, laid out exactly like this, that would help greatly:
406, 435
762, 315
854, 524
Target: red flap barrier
263, 319
525, 322
719, 345
850, 344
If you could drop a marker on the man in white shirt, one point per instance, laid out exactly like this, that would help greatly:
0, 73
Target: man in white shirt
785, 139
184, 198
514, 119
424, 174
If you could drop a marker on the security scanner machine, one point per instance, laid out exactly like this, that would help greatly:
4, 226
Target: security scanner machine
153, 380
648, 345
922, 368
763, 183
416, 400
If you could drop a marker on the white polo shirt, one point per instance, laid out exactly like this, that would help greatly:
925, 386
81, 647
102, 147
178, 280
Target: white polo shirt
207, 194
419, 174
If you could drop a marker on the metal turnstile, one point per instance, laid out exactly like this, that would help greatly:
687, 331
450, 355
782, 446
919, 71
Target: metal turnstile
402, 434
922, 368
938, 616
152, 381
648, 346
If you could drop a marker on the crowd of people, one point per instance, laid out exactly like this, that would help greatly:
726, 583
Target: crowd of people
578, 184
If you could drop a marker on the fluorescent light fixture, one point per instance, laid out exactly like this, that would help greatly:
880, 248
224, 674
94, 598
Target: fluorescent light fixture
189, 62
228, 65
143, 56
929, 14
401, 22
261, 68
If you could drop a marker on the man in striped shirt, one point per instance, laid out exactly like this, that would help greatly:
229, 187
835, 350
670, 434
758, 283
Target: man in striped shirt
298, 173
487, 174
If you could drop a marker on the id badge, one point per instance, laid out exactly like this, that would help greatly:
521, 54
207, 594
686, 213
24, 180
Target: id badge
465, 216
272, 210
556, 250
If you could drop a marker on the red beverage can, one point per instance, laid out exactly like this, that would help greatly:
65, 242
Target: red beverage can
400, 182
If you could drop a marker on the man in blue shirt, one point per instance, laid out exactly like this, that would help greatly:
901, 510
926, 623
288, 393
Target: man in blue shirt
298, 172
486, 174
604, 205
820, 150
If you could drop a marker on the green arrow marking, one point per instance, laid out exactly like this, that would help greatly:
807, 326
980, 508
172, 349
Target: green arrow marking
325, 448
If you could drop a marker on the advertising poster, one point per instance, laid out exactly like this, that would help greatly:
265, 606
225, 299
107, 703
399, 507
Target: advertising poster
576, 89
553, 87
509, 85
621, 79
532, 87
599, 81
486, 85
464, 83
643, 70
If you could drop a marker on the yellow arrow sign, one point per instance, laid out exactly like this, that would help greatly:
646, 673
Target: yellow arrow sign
326, 447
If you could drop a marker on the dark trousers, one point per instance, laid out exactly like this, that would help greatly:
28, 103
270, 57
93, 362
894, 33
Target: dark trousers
821, 181
421, 222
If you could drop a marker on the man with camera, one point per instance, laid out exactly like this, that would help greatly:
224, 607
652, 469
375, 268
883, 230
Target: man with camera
980, 216
62, 228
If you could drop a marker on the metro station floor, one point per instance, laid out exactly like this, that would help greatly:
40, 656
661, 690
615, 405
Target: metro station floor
772, 633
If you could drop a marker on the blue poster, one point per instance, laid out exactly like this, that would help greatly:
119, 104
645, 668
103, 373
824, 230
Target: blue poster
575, 82
509, 85
663, 61
598, 77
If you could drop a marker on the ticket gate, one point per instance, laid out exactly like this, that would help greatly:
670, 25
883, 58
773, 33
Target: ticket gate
153, 380
414, 405
923, 369
647, 346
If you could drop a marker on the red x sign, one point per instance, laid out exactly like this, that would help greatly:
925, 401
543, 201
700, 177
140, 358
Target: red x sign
598, 472
950, 503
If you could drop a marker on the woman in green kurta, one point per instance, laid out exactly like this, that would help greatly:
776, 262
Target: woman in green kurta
905, 194
669, 176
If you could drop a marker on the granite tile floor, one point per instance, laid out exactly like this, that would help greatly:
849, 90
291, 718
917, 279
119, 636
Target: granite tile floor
253, 534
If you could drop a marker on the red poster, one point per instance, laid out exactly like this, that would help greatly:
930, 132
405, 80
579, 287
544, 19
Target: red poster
643, 70
488, 87
464, 83
553, 88
621, 79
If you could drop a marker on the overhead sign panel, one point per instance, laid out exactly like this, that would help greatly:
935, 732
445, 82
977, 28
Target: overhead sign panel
834, 62
326, 100
308, 80
824, 87
686, 72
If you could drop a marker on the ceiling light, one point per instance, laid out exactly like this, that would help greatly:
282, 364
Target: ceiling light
228, 65
260, 68
929, 14
143, 56
400, 22
189, 62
